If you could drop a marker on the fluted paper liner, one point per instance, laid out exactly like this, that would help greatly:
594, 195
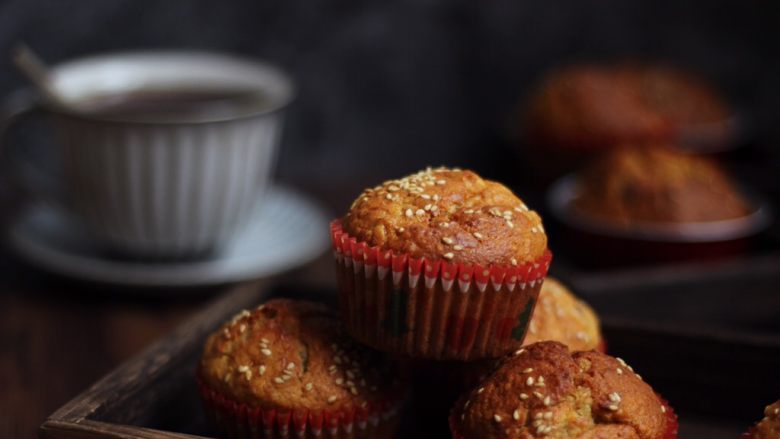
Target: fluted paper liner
433, 308
240, 421
672, 423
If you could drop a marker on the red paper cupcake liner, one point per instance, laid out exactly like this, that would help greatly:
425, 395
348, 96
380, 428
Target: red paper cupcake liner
433, 308
239, 421
672, 423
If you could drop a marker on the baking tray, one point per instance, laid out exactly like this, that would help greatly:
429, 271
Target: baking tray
717, 381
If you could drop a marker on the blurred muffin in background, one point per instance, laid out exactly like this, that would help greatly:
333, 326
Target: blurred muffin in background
546, 391
769, 426
655, 184
581, 110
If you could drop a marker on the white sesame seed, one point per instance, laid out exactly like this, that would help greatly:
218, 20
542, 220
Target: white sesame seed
290, 366
441, 182
332, 399
619, 371
497, 418
448, 255
529, 381
613, 407
444, 224
548, 415
513, 261
308, 387
266, 352
663, 409
420, 212
242, 328
265, 340
457, 247
614, 397
519, 351
339, 381
516, 415
523, 396
510, 224
468, 211
425, 197
480, 390
243, 369
528, 370
278, 380
538, 395
447, 240
547, 401
477, 235
409, 213
261, 370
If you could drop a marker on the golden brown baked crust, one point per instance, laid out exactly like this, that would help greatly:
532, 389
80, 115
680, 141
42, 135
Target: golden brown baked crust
546, 391
294, 354
769, 426
657, 184
561, 316
596, 106
448, 214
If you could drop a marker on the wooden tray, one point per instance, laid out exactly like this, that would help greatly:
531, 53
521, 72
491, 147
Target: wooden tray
718, 382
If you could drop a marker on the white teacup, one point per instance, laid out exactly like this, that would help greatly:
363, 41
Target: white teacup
166, 184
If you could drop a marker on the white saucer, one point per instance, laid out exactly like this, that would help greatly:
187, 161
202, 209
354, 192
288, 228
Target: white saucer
288, 230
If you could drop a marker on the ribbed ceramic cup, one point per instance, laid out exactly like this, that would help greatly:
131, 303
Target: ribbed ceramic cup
170, 187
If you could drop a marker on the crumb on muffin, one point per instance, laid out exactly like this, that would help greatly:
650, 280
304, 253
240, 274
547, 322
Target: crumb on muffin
657, 184
295, 354
546, 391
448, 214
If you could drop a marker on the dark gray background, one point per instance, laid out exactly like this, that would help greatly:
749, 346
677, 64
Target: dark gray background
387, 87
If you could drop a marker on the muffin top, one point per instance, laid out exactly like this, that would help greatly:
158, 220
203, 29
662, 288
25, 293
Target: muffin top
618, 102
561, 316
294, 354
769, 427
545, 391
448, 214
657, 184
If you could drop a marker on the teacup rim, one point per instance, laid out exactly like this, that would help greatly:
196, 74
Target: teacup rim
287, 94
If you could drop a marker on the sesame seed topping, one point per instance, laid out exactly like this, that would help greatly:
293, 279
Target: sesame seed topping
529, 381
261, 370
477, 235
266, 352
619, 371
513, 261
516, 415
425, 197
309, 387
441, 182
409, 213
547, 401
290, 366
401, 230
538, 395
523, 396
420, 212
528, 370
278, 380
457, 247
468, 211
614, 397
497, 418
448, 255
242, 328
613, 407
332, 399
548, 415
480, 390
265, 340
510, 224
243, 369
447, 240
519, 351
663, 409
444, 224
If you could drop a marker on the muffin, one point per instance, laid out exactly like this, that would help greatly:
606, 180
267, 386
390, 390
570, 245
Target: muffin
581, 111
657, 185
441, 264
288, 366
599, 106
769, 426
546, 391
561, 316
